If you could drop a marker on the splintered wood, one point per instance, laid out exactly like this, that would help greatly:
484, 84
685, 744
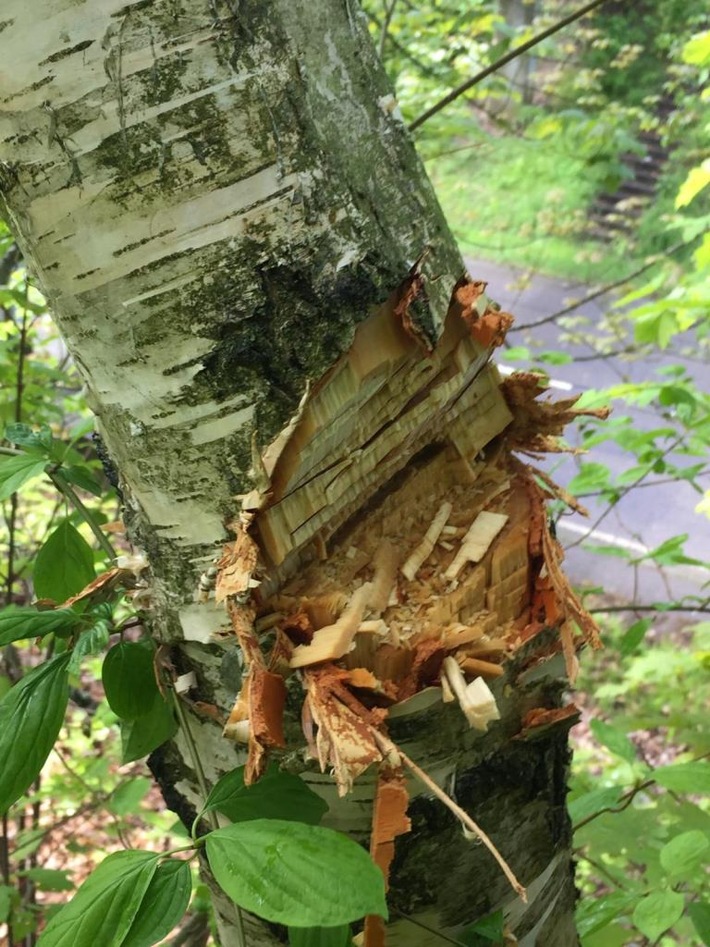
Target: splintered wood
390, 563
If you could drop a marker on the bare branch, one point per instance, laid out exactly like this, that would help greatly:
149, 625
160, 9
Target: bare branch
503, 61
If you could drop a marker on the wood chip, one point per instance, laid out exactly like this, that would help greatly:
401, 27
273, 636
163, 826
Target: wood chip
333, 641
419, 556
477, 541
485, 668
236, 567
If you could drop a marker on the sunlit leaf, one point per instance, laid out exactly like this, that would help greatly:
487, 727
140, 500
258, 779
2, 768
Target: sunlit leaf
684, 853
658, 911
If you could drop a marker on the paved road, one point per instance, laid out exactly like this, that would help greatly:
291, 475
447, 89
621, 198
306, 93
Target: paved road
648, 515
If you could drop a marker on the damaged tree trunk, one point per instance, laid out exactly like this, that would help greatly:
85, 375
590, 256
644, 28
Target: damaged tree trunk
248, 264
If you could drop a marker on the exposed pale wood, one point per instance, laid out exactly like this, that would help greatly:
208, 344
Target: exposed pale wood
477, 540
333, 641
424, 549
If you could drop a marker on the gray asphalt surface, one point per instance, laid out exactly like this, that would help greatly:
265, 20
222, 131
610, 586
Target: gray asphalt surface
648, 515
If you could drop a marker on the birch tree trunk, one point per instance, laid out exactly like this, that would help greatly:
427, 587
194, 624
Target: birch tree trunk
214, 196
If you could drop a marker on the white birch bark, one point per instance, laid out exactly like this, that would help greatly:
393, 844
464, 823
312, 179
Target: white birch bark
213, 195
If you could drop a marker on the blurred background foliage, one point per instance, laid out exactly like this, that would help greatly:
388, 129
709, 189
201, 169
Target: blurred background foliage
585, 159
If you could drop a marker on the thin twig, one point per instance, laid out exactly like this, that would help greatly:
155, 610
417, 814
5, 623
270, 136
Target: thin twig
602, 291
503, 61
622, 494
464, 817
657, 607
389, 10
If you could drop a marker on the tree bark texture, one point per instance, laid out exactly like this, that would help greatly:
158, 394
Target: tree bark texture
214, 197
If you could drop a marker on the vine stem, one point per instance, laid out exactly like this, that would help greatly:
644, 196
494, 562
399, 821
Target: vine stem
70, 493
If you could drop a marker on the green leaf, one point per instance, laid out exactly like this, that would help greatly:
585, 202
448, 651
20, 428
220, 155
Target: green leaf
103, 909
6, 893
163, 905
295, 874
144, 734
18, 622
593, 914
489, 928
92, 641
658, 911
23, 435
684, 853
340, 936
697, 179
84, 478
17, 471
634, 635
128, 796
614, 740
700, 916
685, 777
31, 714
277, 795
128, 677
49, 879
590, 802
64, 565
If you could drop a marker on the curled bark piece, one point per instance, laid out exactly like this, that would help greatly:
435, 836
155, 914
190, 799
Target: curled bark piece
425, 547
236, 567
477, 540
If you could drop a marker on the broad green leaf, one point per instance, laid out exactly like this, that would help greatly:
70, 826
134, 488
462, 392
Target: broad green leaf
128, 677
17, 622
489, 928
684, 853
700, 916
64, 565
6, 893
128, 796
614, 740
634, 635
595, 800
31, 714
163, 906
340, 936
691, 777
83, 477
141, 736
103, 909
277, 795
49, 879
40, 441
594, 913
295, 874
17, 471
658, 911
